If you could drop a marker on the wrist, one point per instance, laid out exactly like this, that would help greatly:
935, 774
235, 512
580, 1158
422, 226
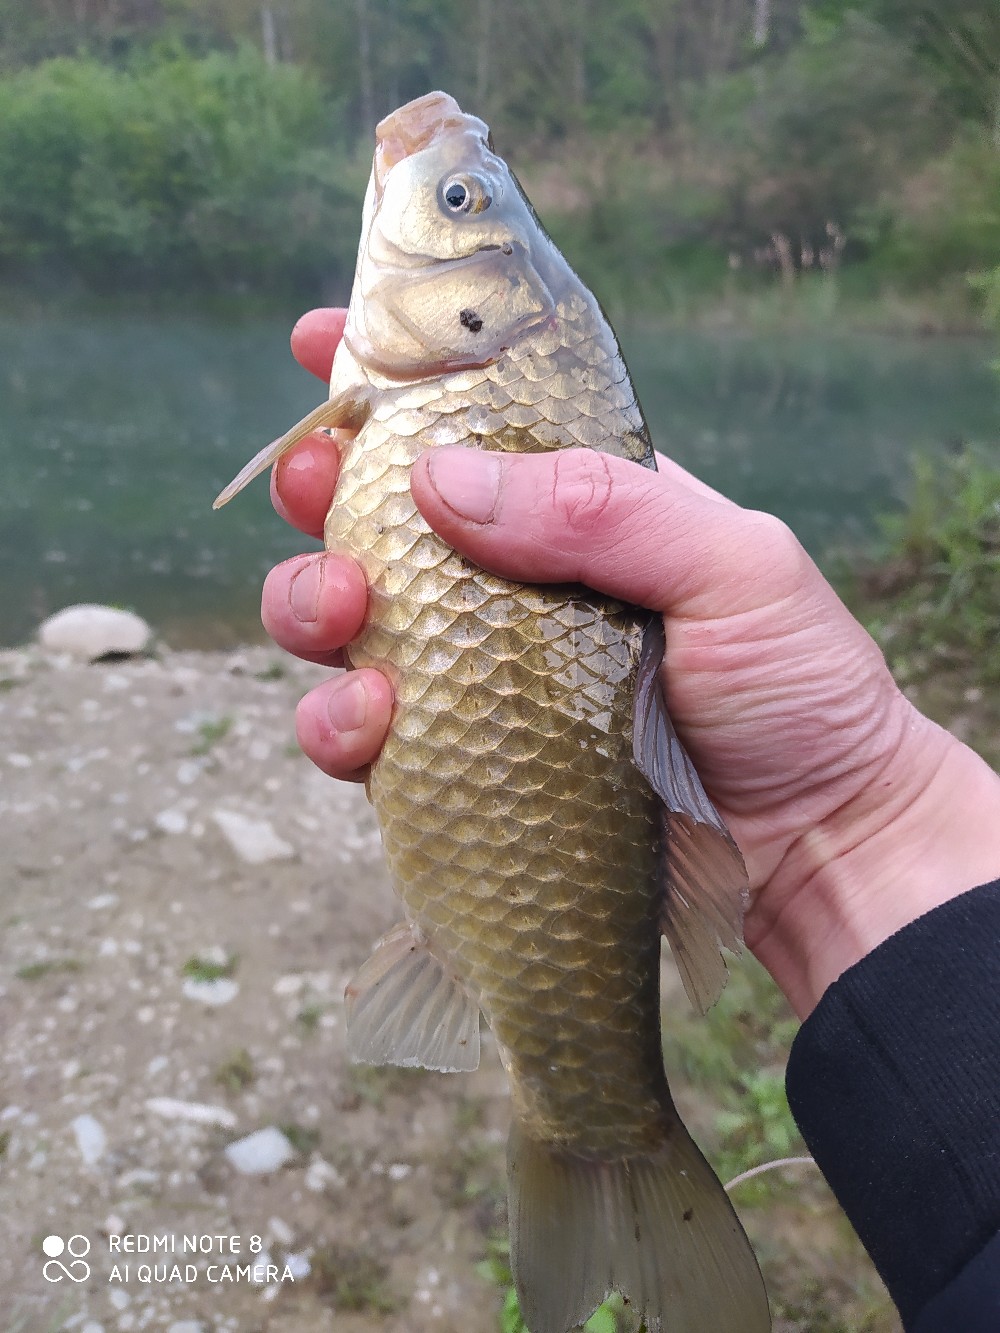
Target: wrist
921, 832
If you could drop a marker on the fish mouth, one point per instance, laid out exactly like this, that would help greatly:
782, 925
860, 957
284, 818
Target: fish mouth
415, 126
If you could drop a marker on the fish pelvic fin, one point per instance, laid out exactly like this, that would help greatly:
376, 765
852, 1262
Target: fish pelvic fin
403, 1008
658, 1228
705, 885
346, 411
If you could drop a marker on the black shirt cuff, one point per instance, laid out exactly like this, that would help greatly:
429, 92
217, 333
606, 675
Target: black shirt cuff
894, 1080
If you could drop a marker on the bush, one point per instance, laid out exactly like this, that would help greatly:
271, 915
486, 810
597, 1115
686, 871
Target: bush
947, 219
220, 171
811, 138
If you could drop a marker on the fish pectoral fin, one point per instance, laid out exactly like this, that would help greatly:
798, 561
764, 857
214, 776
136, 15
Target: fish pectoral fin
347, 411
403, 1008
705, 885
659, 1228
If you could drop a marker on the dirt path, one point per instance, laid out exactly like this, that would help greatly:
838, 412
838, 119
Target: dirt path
183, 899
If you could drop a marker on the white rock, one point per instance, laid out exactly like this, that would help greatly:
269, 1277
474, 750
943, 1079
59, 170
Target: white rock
121, 1300
186, 1326
253, 840
279, 1230
299, 1265
320, 1174
90, 1139
89, 631
197, 1113
265, 1150
171, 821
220, 990
91, 1327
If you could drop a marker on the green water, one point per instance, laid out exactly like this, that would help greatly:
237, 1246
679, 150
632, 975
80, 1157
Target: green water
116, 433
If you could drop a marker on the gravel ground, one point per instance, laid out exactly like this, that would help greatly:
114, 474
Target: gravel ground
183, 900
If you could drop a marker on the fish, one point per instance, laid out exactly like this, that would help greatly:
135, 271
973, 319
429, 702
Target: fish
542, 822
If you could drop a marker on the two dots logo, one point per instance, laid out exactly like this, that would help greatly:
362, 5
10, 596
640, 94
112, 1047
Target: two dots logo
75, 1267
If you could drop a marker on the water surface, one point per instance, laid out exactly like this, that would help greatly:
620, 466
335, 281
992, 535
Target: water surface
117, 431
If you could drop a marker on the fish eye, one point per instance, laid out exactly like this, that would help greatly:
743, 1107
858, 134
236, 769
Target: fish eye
457, 197
465, 194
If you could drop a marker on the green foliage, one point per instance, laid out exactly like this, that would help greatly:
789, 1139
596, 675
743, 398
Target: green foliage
940, 571
811, 138
198, 968
947, 219
611, 1317
221, 146
218, 171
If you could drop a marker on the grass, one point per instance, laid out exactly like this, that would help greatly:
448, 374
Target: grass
210, 733
930, 595
237, 1071
353, 1281
209, 969
46, 967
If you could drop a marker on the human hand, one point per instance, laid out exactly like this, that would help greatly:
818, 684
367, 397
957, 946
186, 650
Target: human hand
855, 813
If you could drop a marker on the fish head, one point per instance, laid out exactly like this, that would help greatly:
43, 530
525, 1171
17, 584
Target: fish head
453, 264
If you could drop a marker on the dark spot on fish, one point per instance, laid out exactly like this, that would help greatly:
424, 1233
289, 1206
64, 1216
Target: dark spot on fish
507, 248
470, 320
687, 1214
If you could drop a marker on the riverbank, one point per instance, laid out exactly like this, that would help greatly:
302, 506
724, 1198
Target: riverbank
185, 899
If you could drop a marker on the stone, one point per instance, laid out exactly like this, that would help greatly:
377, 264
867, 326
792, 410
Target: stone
197, 1113
253, 840
91, 1139
220, 990
89, 631
265, 1150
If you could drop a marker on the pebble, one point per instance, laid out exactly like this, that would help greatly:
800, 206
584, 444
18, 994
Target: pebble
298, 1265
220, 990
196, 1113
90, 1139
253, 840
88, 631
171, 821
320, 1174
186, 1326
265, 1150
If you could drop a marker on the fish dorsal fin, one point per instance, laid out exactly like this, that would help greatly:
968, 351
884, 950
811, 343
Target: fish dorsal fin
404, 1009
705, 879
347, 411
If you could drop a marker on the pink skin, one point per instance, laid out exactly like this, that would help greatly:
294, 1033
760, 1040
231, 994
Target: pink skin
854, 812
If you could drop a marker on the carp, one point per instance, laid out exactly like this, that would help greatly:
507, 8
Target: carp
542, 822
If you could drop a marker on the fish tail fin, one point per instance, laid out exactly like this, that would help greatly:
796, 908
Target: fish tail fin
659, 1228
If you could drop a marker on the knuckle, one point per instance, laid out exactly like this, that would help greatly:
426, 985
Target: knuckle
775, 541
582, 490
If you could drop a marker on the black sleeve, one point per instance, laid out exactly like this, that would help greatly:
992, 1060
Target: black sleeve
894, 1080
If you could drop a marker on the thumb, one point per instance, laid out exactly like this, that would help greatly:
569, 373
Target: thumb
580, 516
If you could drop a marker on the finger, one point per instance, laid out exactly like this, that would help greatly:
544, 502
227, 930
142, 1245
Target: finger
312, 605
341, 724
315, 338
303, 482
582, 516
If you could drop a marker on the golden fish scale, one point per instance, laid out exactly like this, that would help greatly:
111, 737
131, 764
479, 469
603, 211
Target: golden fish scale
520, 836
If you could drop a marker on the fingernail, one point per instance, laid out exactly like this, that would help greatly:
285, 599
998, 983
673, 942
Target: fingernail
467, 481
303, 594
347, 705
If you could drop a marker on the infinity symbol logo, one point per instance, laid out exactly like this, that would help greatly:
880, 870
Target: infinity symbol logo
76, 1270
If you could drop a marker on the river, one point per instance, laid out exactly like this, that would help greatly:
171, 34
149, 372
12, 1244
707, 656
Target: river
117, 431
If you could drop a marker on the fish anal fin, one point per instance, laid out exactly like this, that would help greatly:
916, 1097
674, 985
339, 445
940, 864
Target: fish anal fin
705, 885
347, 411
403, 1008
659, 1228
703, 902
